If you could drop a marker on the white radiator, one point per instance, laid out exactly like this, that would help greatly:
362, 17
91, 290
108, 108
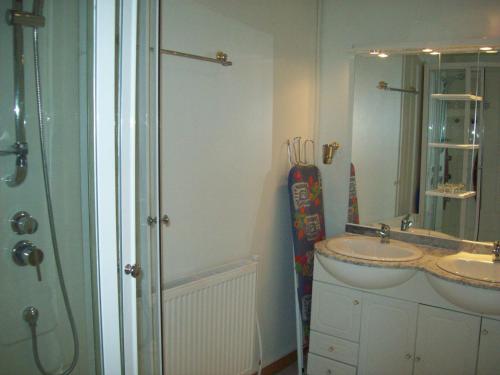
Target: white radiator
208, 322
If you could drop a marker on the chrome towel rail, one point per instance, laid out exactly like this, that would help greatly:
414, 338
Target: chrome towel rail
220, 57
382, 85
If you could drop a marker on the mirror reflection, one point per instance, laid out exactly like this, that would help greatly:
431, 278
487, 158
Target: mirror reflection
426, 141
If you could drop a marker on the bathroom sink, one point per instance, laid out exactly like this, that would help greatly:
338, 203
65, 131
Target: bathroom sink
370, 248
472, 266
375, 275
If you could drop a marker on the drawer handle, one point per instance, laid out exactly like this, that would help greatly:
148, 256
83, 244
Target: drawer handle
331, 349
417, 358
484, 332
408, 356
355, 302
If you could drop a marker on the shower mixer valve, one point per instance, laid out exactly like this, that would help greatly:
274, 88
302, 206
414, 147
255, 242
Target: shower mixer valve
23, 223
25, 253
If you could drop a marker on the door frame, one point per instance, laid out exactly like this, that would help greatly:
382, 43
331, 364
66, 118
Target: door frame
103, 163
127, 221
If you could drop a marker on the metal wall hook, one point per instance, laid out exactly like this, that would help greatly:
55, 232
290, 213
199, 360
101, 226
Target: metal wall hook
296, 149
299, 152
311, 142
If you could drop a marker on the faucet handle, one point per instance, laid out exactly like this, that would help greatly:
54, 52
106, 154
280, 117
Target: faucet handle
35, 259
385, 227
25, 253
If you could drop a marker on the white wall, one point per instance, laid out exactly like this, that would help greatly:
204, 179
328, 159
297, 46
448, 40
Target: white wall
380, 23
375, 137
224, 161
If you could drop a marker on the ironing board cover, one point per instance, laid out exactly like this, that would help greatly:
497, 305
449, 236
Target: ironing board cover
306, 206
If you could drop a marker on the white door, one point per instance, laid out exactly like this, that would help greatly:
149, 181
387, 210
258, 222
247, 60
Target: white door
447, 342
387, 336
489, 348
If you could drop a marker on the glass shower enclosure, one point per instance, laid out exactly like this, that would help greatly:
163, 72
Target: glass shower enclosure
47, 319
451, 179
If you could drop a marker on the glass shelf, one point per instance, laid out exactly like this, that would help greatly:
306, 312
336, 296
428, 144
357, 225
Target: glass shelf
462, 195
454, 146
463, 97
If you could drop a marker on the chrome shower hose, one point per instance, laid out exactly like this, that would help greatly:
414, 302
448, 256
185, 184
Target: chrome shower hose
50, 211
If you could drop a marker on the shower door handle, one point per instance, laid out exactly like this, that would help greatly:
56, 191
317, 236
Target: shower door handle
165, 220
133, 270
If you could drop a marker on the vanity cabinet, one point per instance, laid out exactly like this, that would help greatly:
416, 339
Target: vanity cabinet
489, 348
354, 331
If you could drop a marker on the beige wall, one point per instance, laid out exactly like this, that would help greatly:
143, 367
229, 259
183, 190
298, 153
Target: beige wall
234, 122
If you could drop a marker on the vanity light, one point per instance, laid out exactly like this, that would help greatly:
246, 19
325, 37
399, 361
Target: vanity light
435, 53
374, 52
427, 50
485, 48
492, 51
383, 55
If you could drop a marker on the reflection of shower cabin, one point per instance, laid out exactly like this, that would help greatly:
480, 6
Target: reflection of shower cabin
451, 154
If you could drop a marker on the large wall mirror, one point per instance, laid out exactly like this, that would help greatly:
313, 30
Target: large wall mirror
426, 143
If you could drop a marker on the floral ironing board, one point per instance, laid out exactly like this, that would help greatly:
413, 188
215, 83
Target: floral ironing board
306, 206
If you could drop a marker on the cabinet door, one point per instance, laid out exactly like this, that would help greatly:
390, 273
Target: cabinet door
447, 342
489, 348
387, 336
336, 311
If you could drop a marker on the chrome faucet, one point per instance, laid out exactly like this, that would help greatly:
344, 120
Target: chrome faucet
406, 223
384, 233
496, 251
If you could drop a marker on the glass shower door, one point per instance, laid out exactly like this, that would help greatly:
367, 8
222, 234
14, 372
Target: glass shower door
453, 144
46, 315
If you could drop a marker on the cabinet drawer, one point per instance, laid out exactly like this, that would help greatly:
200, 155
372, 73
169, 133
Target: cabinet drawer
336, 311
317, 365
334, 348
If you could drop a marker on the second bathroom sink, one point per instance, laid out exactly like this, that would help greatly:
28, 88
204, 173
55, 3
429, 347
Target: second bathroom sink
472, 266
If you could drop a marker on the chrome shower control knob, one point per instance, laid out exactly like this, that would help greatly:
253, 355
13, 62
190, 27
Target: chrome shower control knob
23, 223
25, 253
30, 315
